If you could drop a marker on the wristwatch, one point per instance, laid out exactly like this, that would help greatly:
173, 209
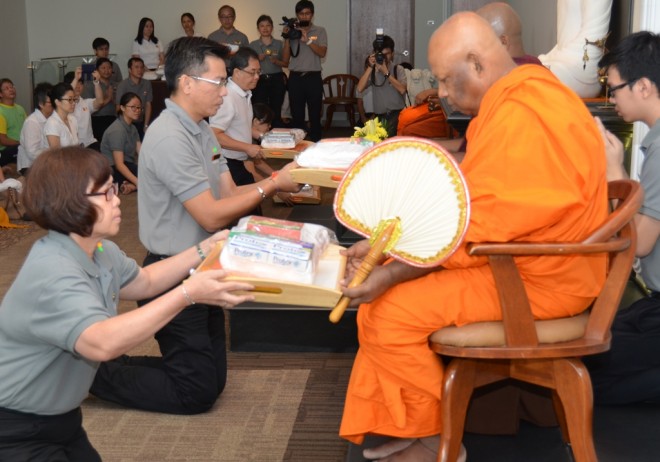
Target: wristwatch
387, 76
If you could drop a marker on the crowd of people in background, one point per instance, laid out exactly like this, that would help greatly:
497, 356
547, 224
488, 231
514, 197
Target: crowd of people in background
82, 115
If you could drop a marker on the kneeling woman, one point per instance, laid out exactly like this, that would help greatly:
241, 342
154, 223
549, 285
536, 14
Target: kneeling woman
59, 318
121, 143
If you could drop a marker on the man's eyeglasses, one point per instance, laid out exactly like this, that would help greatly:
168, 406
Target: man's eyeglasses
135, 108
218, 83
109, 194
70, 100
254, 73
612, 90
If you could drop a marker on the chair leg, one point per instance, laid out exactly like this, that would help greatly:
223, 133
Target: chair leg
573, 386
328, 117
456, 393
350, 113
561, 416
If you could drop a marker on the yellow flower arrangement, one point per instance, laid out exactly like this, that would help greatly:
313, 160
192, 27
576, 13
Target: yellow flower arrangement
373, 130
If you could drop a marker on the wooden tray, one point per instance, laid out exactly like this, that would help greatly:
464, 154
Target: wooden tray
286, 153
311, 197
324, 292
329, 178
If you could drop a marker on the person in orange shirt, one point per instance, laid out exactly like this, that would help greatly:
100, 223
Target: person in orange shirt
535, 170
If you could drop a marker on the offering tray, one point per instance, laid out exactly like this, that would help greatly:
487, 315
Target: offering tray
324, 292
291, 153
329, 178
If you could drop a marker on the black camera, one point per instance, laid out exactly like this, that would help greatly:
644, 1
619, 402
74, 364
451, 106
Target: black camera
293, 24
378, 46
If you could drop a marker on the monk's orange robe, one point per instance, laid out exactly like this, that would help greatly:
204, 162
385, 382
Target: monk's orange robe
419, 121
535, 169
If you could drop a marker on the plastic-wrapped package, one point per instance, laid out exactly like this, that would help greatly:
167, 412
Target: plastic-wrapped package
275, 249
280, 138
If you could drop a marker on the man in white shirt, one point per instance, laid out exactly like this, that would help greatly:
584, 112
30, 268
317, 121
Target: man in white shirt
33, 139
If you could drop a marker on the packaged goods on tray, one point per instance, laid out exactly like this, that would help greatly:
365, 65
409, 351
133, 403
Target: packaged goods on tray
282, 138
275, 249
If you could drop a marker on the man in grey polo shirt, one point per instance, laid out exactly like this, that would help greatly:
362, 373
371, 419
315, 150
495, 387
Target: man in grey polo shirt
141, 87
227, 34
185, 192
630, 371
304, 55
388, 81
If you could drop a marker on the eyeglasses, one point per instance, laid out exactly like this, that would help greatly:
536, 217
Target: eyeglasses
109, 194
612, 90
226, 17
70, 100
135, 108
254, 73
218, 83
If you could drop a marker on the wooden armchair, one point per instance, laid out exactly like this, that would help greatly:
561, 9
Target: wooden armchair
545, 353
339, 94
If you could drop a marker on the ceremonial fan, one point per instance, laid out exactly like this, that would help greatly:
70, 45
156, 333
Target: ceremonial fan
409, 198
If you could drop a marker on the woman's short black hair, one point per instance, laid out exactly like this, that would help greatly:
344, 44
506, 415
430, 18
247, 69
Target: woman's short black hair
55, 190
58, 92
264, 17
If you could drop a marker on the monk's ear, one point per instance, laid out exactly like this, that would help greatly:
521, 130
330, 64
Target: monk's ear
505, 40
475, 63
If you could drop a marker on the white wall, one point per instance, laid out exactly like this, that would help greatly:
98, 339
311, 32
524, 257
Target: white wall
539, 18
14, 40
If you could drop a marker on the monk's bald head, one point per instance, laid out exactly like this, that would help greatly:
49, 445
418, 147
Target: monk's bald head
467, 58
507, 25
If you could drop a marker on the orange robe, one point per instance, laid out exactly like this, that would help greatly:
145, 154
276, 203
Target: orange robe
535, 170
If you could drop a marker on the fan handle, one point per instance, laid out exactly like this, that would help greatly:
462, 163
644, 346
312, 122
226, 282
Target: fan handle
375, 257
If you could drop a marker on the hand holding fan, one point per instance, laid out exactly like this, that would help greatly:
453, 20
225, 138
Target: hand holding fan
408, 196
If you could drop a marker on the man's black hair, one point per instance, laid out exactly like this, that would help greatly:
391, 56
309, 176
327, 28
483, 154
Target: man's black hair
636, 56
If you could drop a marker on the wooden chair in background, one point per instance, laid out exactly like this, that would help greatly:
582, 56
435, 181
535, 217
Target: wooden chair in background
339, 94
545, 353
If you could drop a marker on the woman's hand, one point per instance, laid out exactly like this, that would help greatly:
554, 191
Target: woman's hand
211, 288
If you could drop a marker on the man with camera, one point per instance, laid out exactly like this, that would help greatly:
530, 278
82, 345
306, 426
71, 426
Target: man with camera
305, 44
388, 81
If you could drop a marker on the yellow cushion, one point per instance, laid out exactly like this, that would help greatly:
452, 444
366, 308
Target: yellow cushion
491, 334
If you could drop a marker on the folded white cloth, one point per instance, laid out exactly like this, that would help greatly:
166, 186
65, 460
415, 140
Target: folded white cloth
11, 183
331, 154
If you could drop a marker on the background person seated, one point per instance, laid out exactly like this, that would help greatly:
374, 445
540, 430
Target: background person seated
121, 143
33, 137
12, 116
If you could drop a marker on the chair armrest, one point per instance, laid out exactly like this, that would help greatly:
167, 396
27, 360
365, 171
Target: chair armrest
546, 248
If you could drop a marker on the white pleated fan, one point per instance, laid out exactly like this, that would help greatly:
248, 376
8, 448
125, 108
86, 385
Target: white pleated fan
415, 181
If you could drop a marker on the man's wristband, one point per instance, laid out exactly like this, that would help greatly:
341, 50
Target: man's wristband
200, 252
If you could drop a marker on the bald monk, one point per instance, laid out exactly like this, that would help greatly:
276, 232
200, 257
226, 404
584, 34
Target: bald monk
535, 169
507, 26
